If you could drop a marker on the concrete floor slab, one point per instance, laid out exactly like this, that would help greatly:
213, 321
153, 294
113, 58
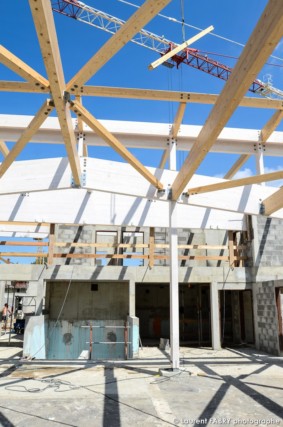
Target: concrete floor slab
227, 387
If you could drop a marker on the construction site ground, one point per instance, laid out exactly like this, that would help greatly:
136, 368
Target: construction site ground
233, 386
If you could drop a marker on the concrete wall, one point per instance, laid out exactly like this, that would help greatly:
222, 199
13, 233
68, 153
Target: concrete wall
268, 243
266, 318
138, 235
87, 300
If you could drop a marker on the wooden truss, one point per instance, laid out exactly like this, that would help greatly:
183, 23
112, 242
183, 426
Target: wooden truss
68, 96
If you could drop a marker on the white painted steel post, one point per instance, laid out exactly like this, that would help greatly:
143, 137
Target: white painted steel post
80, 145
260, 162
174, 287
172, 154
214, 313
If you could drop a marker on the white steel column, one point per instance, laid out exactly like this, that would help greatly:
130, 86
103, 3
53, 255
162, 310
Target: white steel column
174, 288
80, 144
172, 154
214, 313
260, 160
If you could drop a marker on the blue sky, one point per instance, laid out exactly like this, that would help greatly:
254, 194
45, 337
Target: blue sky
78, 42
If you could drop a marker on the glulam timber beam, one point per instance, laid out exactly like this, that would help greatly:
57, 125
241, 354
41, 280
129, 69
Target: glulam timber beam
174, 131
4, 149
180, 47
266, 35
46, 32
266, 132
22, 69
273, 203
31, 129
111, 140
6, 86
134, 24
272, 176
174, 96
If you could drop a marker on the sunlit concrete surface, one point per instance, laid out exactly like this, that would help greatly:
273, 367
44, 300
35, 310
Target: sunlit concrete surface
238, 386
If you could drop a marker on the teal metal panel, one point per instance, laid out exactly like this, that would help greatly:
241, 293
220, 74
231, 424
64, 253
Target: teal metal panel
68, 340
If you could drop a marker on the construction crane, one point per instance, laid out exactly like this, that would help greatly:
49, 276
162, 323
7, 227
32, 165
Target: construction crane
81, 12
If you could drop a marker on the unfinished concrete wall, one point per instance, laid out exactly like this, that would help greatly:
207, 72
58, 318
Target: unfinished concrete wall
266, 318
268, 244
88, 300
74, 234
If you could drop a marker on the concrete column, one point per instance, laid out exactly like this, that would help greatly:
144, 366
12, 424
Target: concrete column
214, 313
172, 154
2, 292
174, 288
255, 311
132, 298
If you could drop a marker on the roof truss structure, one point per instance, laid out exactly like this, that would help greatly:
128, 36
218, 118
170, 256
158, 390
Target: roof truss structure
147, 184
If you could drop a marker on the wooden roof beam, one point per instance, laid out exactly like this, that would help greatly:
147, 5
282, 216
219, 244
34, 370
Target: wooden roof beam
6, 86
174, 131
22, 69
4, 149
273, 203
46, 32
101, 131
257, 179
266, 132
32, 128
134, 24
167, 95
266, 35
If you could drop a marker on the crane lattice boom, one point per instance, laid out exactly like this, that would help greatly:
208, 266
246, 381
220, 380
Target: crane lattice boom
192, 57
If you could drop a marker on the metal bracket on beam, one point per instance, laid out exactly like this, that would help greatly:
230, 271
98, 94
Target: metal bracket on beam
66, 96
262, 209
82, 181
259, 147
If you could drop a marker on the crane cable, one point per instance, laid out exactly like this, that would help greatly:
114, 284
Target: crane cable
183, 20
169, 18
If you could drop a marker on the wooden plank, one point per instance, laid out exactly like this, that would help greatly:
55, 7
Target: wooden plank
51, 244
257, 179
151, 247
266, 35
32, 128
112, 256
101, 245
6, 86
4, 149
174, 131
22, 69
97, 127
24, 223
21, 243
231, 247
126, 32
180, 47
24, 254
46, 32
174, 96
